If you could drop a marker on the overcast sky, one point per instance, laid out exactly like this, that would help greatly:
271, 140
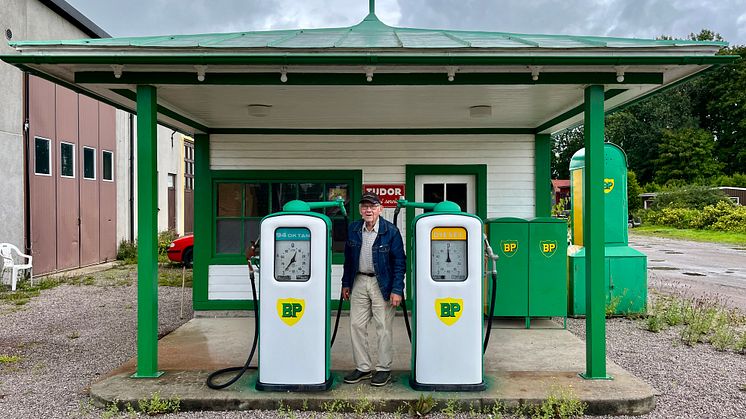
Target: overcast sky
624, 18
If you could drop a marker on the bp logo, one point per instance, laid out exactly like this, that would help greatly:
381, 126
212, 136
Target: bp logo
509, 247
548, 247
290, 310
608, 185
449, 310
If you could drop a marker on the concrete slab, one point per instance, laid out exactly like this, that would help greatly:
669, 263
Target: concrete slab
521, 366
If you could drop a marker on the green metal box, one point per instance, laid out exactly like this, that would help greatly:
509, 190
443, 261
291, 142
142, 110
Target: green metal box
625, 280
547, 267
532, 269
509, 239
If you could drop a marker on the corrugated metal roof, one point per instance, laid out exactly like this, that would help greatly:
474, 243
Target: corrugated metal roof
371, 33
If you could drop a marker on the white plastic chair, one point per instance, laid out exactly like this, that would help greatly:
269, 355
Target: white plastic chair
9, 264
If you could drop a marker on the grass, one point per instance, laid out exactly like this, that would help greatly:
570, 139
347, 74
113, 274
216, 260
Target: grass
9, 359
710, 236
700, 320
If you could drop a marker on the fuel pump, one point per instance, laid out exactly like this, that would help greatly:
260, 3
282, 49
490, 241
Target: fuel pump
293, 314
447, 289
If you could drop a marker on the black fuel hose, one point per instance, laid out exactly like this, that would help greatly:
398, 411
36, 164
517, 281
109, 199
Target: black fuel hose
210, 378
339, 306
492, 310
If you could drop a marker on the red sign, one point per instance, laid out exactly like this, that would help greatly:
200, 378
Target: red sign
389, 193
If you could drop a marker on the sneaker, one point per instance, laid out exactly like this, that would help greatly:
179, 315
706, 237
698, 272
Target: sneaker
381, 378
357, 376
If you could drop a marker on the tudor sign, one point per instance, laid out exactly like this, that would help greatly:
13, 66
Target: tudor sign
389, 193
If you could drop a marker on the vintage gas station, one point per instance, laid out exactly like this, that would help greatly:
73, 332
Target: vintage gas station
289, 117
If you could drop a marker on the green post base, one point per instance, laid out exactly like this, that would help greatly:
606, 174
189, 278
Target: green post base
588, 377
156, 375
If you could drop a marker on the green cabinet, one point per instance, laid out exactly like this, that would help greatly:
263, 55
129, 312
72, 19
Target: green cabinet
509, 240
532, 269
547, 267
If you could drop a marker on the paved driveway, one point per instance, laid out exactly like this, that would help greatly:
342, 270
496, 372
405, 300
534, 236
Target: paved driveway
695, 268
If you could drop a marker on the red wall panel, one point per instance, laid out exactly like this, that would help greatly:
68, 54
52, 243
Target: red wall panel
68, 240
108, 189
42, 188
89, 189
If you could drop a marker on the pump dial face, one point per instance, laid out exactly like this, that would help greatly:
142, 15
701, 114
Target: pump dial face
448, 254
292, 254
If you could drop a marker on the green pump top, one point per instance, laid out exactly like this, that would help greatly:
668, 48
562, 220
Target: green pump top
303, 206
445, 206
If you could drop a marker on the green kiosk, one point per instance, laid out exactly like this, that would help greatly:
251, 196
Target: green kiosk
625, 268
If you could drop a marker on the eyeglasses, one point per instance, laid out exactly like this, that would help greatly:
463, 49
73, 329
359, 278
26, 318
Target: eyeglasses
369, 206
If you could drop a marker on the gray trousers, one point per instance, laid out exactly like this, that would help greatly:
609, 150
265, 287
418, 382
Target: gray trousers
366, 303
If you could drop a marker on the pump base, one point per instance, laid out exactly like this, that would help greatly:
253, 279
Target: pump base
446, 387
296, 387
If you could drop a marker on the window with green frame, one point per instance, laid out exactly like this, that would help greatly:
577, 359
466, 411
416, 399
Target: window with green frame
240, 206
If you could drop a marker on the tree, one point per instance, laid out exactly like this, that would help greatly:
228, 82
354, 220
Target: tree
564, 145
686, 154
634, 201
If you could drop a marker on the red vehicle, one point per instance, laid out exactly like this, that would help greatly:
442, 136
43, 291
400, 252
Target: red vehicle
181, 250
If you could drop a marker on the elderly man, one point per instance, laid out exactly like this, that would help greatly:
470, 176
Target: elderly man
373, 281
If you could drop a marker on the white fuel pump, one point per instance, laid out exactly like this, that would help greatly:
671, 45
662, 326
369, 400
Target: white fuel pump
447, 293
295, 301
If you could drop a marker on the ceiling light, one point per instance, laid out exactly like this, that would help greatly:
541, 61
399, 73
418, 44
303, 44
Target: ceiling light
259, 110
284, 74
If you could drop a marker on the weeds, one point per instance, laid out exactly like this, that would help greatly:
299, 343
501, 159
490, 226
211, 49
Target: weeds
111, 411
9, 359
127, 252
560, 404
422, 407
333, 407
495, 411
451, 409
155, 405
612, 305
363, 406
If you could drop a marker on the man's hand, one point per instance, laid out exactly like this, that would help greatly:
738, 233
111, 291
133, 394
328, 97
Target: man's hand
346, 293
395, 299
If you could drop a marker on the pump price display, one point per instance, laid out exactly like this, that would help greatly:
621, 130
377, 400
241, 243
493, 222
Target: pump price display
448, 254
292, 254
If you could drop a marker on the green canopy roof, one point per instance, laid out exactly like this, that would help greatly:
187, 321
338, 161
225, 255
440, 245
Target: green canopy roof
371, 33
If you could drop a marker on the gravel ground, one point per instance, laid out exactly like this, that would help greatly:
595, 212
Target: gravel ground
70, 335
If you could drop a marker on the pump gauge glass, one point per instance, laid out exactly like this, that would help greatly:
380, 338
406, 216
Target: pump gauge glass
448, 254
292, 254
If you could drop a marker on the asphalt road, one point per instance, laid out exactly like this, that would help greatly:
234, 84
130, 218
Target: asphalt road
695, 269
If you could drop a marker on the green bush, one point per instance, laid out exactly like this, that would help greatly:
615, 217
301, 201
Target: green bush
127, 251
735, 221
692, 197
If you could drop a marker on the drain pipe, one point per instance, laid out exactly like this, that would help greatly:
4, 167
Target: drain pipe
132, 177
26, 174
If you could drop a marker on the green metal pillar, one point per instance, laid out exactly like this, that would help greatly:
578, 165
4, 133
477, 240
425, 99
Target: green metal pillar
202, 217
593, 235
147, 234
543, 175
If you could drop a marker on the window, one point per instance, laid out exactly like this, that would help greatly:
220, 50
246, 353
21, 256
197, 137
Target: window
89, 163
188, 165
42, 157
108, 166
241, 206
171, 180
67, 160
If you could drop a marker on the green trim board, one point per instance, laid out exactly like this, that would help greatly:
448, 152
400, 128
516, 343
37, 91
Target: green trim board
371, 131
358, 78
362, 58
593, 234
576, 111
205, 210
479, 171
147, 234
129, 94
543, 175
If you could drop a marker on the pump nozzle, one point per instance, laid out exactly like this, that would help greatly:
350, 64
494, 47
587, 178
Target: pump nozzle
339, 203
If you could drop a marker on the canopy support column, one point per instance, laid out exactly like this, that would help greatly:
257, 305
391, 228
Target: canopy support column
543, 175
593, 235
147, 234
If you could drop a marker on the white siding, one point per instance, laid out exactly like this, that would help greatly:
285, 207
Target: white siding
383, 159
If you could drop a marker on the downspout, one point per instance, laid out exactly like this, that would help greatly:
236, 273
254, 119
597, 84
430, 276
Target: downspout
26, 175
132, 178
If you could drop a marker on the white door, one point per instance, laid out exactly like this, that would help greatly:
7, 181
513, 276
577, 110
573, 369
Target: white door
456, 188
